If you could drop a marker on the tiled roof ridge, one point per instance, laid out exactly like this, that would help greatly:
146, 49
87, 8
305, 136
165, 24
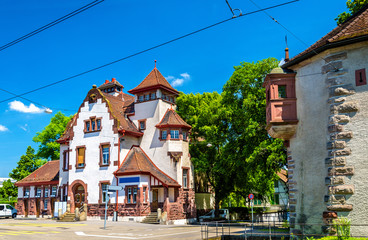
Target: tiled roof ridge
155, 164
175, 115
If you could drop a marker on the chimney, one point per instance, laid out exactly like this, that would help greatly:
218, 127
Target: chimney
106, 81
286, 55
113, 79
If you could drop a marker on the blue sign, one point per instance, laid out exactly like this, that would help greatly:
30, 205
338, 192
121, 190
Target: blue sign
129, 180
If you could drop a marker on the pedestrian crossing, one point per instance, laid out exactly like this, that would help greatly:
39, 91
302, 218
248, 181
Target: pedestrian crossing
20, 232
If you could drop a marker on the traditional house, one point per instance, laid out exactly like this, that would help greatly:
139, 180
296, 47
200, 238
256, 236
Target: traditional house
317, 103
138, 142
38, 191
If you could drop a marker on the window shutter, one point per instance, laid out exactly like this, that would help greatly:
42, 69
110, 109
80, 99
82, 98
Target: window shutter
81, 155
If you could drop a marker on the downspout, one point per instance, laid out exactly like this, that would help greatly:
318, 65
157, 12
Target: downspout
117, 183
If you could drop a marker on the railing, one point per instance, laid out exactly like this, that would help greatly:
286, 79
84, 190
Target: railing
270, 230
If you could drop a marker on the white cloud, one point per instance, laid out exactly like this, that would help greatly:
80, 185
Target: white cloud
185, 75
25, 127
3, 128
176, 82
20, 107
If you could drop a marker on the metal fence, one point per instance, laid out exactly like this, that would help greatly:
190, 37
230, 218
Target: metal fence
266, 230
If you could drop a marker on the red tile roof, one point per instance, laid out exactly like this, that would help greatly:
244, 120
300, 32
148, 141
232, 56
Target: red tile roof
283, 175
119, 106
354, 29
47, 173
137, 162
171, 118
154, 80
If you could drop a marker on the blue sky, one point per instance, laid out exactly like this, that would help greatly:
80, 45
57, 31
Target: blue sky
117, 28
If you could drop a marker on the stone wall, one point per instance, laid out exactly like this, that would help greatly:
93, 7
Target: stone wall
124, 210
184, 207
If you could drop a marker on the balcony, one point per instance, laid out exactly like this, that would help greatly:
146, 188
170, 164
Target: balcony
281, 109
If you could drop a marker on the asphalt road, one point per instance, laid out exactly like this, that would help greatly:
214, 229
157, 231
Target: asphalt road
93, 229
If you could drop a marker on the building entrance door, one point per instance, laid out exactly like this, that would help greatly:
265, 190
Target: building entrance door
79, 196
38, 207
154, 204
26, 207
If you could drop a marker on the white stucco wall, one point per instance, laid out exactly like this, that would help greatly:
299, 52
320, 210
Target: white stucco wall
20, 192
308, 147
63, 175
92, 173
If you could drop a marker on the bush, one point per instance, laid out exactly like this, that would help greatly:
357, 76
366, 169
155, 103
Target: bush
342, 226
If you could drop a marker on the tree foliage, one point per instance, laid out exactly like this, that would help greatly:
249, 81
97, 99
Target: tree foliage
27, 164
8, 190
353, 7
256, 156
48, 147
229, 142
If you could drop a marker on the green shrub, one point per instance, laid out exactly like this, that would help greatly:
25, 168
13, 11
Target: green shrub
342, 226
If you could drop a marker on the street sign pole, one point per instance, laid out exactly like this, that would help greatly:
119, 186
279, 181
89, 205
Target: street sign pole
106, 200
251, 198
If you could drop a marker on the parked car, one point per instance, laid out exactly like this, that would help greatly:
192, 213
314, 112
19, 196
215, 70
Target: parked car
7, 211
223, 213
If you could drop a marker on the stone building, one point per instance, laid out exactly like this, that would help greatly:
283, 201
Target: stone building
135, 141
318, 103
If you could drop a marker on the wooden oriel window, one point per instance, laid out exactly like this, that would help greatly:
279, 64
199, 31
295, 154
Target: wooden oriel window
93, 124
105, 154
81, 155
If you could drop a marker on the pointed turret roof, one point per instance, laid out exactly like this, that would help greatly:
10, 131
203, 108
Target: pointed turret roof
154, 80
172, 119
137, 162
353, 30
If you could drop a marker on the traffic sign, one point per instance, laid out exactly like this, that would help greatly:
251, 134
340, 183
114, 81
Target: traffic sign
251, 196
114, 188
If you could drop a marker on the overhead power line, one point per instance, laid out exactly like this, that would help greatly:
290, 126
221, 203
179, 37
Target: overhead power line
145, 50
294, 35
53, 23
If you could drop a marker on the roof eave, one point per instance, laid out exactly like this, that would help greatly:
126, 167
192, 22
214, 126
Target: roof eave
330, 45
22, 184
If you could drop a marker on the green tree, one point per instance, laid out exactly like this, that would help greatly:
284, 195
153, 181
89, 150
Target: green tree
206, 114
8, 190
254, 155
353, 7
48, 147
27, 164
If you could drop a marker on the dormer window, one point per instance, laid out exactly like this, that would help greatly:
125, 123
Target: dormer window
92, 125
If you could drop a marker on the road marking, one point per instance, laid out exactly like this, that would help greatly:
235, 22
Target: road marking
45, 224
103, 236
16, 233
109, 236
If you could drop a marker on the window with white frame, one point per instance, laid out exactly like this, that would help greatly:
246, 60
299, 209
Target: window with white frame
105, 154
163, 134
104, 187
38, 192
53, 191
174, 134
45, 203
46, 192
185, 178
26, 192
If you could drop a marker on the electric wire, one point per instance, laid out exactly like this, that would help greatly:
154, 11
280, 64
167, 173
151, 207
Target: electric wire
146, 50
51, 24
294, 35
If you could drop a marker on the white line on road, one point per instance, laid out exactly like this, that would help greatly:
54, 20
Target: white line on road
105, 236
